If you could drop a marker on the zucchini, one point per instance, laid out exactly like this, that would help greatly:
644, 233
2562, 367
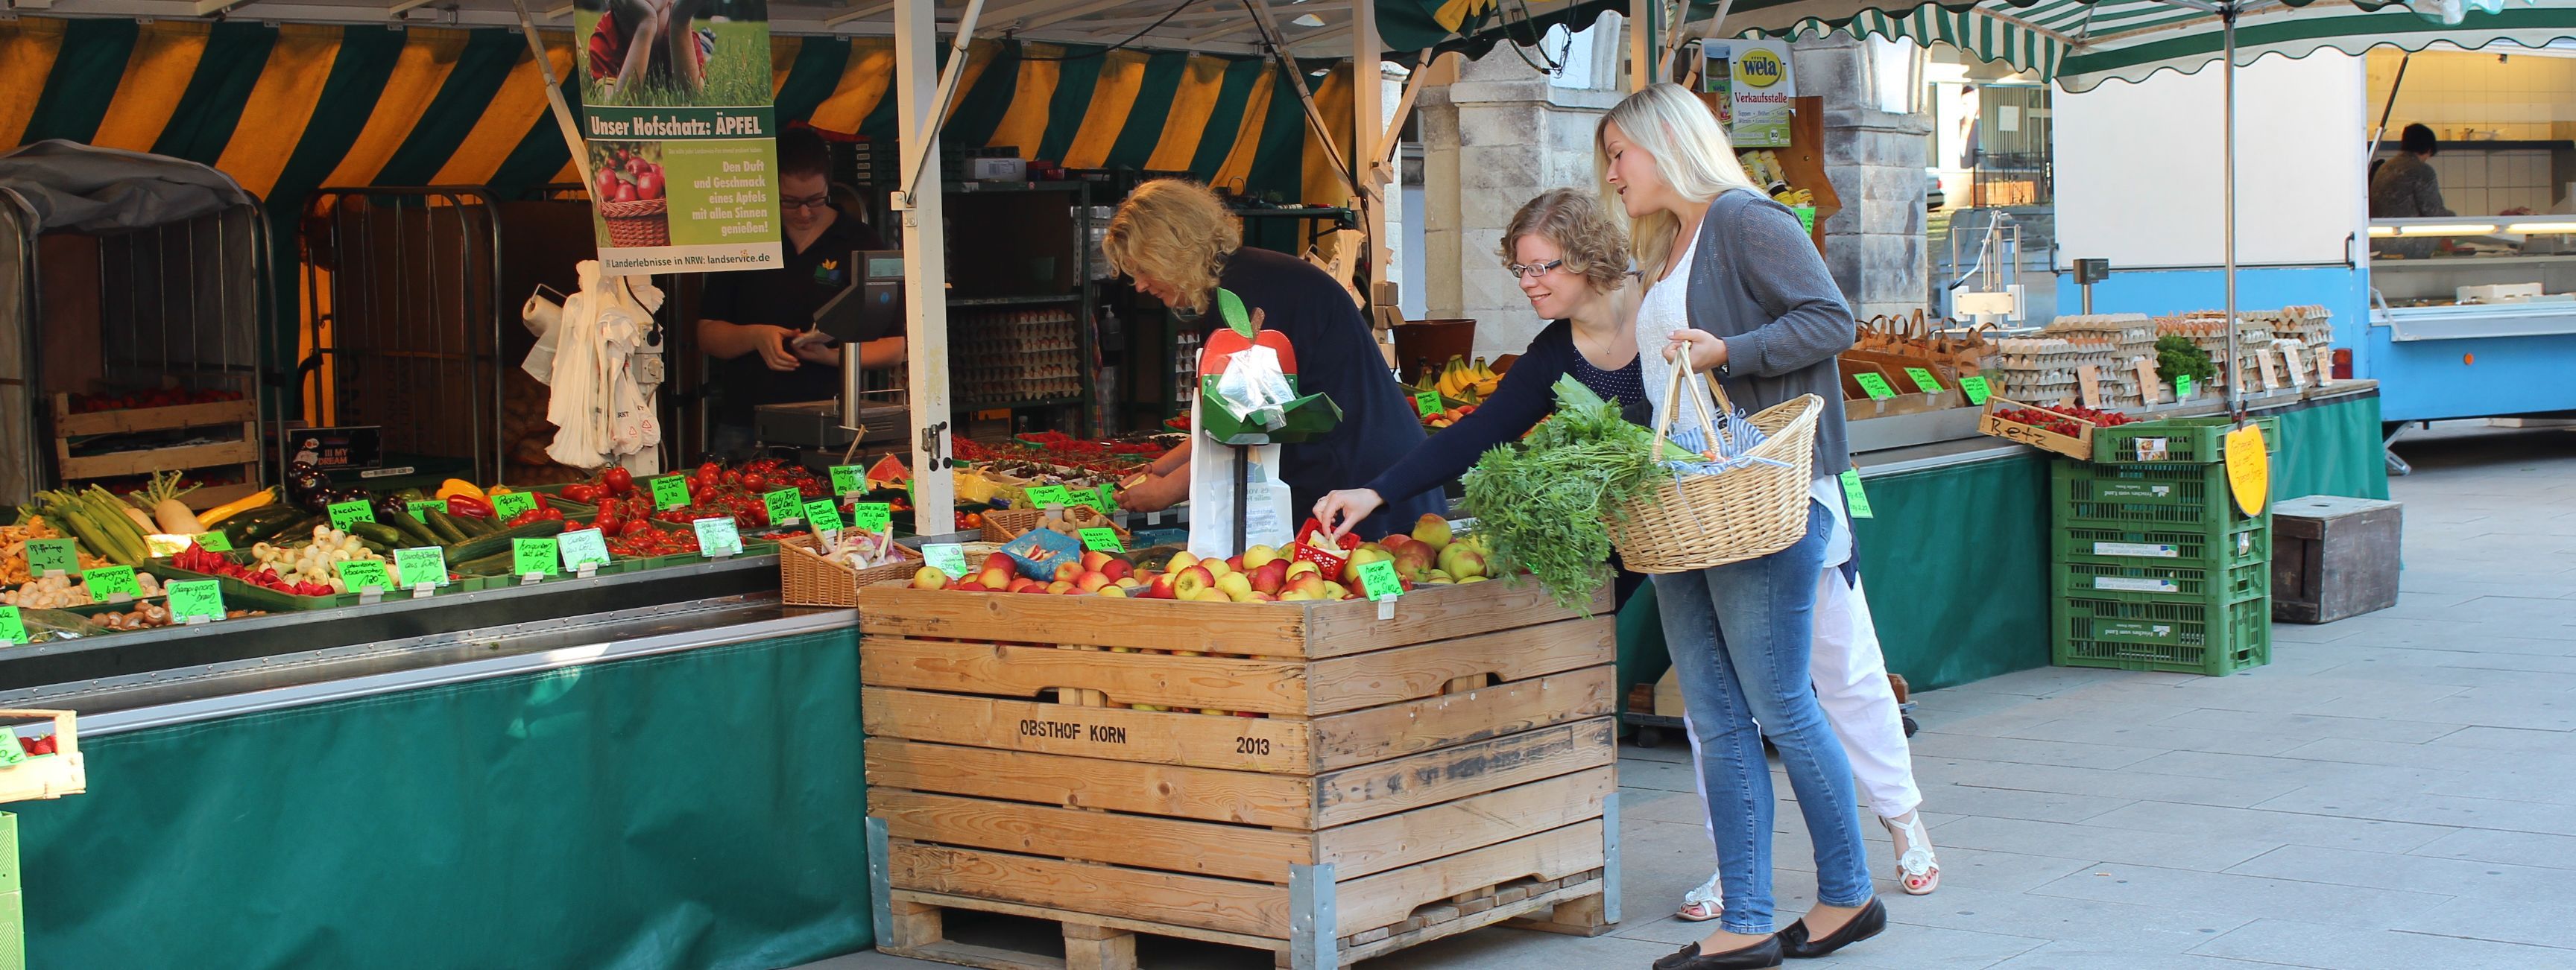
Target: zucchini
271, 530
377, 533
444, 529
414, 533
499, 542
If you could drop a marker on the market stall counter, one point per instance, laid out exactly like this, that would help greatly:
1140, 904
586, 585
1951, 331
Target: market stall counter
619, 777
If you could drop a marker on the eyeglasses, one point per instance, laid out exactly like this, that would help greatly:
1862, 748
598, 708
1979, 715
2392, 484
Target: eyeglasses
809, 202
1536, 271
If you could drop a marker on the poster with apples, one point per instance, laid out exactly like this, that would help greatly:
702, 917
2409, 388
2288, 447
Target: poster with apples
680, 134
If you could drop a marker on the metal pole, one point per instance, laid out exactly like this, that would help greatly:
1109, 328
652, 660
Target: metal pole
922, 99
2235, 378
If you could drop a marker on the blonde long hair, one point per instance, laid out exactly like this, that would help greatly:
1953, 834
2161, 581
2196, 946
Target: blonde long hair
1175, 231
1681, 138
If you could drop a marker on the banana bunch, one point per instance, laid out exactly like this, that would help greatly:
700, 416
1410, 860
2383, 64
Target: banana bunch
1764, 168
1466, 382
1794, 197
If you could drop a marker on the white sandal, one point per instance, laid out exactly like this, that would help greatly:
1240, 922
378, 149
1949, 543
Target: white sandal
1702, 904
1918, 871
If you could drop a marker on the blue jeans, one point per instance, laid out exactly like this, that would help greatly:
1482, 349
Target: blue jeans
1739, 636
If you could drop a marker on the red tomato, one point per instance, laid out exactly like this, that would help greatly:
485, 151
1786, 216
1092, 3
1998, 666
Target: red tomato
710, 471
618, 481
755, 482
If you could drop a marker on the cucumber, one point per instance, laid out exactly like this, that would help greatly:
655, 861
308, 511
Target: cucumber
486, 566
414, 533
377, 533
444, 529
499, 542
295, 526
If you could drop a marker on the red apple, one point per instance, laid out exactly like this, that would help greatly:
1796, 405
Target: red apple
1117, 569
1187, 583
1270, 577
1066, 571
1090, 582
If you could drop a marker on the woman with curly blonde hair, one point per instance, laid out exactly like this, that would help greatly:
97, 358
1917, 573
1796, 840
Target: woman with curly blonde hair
1571, 262
1178, 244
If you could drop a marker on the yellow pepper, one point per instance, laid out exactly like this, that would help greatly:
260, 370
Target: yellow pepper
454, 487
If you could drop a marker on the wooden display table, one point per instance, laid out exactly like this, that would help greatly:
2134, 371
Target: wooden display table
1305, 778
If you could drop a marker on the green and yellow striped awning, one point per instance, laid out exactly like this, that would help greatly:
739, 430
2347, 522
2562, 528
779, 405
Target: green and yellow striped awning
285, 109
2081, 43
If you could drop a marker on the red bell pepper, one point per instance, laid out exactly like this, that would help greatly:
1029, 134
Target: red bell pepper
469, 506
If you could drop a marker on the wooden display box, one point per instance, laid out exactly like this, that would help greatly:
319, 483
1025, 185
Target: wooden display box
2072, 446
2334, 557
144, 461
1362, 785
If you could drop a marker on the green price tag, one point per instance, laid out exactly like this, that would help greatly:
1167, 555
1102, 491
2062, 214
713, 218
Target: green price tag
1046, 495
823, 516
872, 516
427, 564
1924, 379
716, 537
1102, 540
784, 504
1097, 498
196, 597
671, 492
1427, 403
1977, 388
848, 480
532, 556
13, 630
106, 581
1875, 386
511, 505
582, 546
214, 542
421, 508
947, 557
52, 555
1855, 501
2182, 387
358, 574
11, 750
1378, 580
346, 514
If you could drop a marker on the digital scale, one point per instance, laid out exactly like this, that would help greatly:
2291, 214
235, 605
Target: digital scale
823, 431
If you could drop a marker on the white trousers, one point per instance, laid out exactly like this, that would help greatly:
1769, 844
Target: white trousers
1850, 675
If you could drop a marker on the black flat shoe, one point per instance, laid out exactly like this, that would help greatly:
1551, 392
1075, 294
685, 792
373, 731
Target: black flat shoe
1760, 956
1869, 922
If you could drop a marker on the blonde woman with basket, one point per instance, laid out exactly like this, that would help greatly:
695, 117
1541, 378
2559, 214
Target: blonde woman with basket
1736, 291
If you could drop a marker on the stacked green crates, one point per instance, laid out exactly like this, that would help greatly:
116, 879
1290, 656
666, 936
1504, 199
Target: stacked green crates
2152, 566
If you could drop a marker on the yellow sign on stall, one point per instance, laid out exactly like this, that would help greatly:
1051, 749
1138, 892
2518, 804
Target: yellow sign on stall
2249, 469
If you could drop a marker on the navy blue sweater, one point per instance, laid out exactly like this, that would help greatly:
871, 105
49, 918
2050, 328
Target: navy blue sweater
1526, 394
1336, 356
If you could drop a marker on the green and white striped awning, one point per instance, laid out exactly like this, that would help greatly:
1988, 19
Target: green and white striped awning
2081, 43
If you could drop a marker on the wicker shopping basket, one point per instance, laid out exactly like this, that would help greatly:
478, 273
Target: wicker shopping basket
805, 578
1751, 510
1008, 524
643, 222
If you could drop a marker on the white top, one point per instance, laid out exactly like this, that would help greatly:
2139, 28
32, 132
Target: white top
1665, 311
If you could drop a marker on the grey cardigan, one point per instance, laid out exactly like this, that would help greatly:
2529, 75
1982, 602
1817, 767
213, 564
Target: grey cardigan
1757, 282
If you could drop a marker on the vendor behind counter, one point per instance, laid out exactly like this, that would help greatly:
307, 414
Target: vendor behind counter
748, 321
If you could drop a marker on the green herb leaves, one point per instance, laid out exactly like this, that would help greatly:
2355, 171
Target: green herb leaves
1541, 503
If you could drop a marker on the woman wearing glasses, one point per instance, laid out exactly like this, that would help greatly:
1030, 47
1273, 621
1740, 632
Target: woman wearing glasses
748, 321
1572, 263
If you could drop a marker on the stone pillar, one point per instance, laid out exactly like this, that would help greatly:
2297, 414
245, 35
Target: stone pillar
1875, 158
1502, 133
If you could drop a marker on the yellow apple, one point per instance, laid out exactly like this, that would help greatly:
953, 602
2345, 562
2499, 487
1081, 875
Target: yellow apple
1259, 556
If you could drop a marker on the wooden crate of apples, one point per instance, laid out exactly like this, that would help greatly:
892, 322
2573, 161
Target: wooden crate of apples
1117, 753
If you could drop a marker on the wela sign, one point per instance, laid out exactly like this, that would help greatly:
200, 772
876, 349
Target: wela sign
1754, 77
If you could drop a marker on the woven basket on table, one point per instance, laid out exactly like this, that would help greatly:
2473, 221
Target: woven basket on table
805, 578
643, 222
1007, 524
1745, 512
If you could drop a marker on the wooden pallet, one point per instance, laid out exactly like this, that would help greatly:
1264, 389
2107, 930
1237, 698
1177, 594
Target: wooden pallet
1302, 778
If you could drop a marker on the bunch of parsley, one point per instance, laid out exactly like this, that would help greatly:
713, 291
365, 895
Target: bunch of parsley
1541, 503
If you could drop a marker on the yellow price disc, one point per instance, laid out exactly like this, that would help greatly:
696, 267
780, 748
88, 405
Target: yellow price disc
2249, 469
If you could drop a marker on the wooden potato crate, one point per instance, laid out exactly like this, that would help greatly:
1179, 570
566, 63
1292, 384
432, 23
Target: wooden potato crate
243, 452
1303, 778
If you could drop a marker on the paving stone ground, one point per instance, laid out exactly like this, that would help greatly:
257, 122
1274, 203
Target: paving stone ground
2396, 790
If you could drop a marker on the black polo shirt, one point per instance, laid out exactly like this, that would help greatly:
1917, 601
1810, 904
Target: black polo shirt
783, 297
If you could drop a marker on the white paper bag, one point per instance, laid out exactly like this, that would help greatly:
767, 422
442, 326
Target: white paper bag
1212, 512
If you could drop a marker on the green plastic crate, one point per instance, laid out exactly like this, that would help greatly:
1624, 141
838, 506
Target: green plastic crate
2145, 497
2136, 578
2186, 441
2233, 544
2168, 635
